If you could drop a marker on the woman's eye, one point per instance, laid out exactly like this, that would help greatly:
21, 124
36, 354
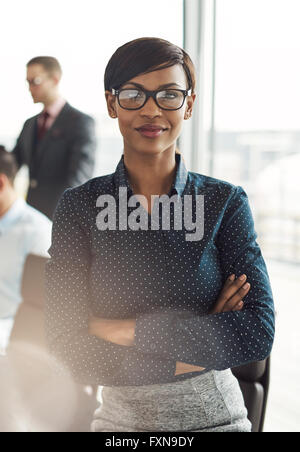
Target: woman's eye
169, 94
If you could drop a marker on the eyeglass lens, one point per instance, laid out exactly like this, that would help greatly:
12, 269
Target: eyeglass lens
35, 82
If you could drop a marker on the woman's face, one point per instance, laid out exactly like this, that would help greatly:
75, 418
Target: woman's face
152, 130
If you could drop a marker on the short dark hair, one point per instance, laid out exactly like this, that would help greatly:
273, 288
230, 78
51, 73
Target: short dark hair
50, 64
144, 55
8, 165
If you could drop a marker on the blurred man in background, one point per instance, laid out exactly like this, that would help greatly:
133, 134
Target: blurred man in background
59, 144
23, 231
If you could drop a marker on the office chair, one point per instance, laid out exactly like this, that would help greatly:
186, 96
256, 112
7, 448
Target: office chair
254, 381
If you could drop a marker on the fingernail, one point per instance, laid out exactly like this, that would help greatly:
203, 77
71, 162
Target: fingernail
246, 286
242, 277
240, 304
231, 278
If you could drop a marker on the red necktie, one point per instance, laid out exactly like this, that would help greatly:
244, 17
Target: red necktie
42, 129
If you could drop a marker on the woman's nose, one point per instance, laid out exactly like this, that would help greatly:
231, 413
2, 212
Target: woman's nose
150, 108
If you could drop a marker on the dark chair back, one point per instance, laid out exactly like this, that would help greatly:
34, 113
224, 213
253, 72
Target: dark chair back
254, 381
29, 320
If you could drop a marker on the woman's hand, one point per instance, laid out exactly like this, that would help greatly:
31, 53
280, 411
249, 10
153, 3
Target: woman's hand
183, 368
232, 295
119, 332
230, 299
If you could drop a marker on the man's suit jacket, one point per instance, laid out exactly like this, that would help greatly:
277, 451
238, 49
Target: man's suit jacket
64, 158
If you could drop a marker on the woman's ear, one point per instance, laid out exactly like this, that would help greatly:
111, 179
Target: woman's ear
3, 181
111, 104
189, 106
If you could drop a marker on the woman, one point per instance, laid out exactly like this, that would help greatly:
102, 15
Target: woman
137, 302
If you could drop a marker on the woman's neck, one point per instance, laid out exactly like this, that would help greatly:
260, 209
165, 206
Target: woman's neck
151, 174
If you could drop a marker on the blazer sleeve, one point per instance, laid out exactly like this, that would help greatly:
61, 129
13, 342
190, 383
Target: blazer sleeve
229, 339
18, 150
82, 151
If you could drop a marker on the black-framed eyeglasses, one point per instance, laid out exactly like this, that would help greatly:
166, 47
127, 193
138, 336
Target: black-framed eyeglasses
136, 98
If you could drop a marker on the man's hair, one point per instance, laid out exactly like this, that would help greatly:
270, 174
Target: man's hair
50, 64
146, 55
8, 165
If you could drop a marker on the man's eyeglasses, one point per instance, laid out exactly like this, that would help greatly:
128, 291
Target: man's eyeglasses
136, 98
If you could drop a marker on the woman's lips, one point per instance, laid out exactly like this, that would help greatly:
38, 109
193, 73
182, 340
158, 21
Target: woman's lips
151, 131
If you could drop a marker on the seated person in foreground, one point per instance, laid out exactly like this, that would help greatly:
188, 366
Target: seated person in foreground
23, 231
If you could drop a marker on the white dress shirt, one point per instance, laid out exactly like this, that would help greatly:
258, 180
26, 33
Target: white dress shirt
23, 231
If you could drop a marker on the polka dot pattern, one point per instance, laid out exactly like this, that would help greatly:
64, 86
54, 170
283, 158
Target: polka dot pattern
167, 283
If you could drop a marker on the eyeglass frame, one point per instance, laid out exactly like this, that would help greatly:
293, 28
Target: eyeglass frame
152, 94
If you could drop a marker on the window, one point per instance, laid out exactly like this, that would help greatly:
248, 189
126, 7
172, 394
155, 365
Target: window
256, 139
257, 115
